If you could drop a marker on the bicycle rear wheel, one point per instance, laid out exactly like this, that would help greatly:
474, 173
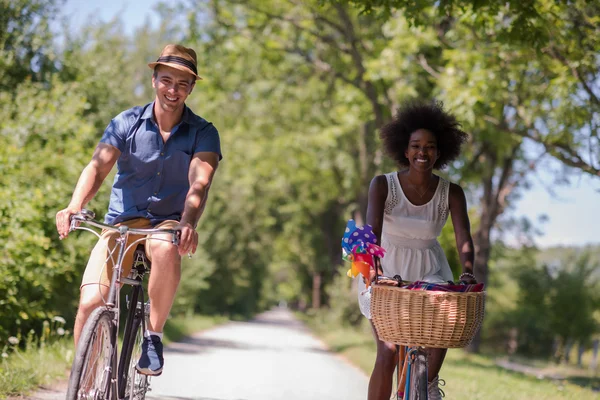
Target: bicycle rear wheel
418, 375
135, 385
90, 377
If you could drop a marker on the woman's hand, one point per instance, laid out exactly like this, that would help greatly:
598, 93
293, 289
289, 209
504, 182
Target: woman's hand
372, 274
467, 278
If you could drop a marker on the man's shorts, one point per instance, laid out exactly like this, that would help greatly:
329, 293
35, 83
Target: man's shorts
100, 265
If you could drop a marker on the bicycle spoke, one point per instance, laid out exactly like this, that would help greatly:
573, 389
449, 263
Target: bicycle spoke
95, 370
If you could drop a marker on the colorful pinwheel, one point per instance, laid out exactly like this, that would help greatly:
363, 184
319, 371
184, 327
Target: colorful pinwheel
358, 247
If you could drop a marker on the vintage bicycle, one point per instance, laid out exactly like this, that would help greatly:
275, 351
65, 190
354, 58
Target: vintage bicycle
100, 371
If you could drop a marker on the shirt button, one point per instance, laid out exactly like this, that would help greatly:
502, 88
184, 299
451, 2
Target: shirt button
162, 154
158, 173
155, 193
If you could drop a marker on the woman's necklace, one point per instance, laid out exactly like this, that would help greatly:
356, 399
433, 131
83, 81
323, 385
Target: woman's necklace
415, 188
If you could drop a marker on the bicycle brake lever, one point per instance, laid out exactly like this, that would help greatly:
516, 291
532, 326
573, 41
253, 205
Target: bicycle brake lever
87, 214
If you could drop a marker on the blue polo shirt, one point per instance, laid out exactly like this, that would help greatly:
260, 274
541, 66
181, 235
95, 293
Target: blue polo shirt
152, 175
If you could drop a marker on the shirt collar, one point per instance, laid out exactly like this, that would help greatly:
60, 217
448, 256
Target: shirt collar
187, 115
149, 114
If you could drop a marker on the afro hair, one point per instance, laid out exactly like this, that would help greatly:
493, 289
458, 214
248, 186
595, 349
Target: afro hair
411, 117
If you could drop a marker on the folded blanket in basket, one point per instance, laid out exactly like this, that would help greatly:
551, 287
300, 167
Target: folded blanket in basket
444, 287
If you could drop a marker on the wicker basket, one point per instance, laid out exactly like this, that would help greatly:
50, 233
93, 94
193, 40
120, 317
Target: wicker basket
426, 318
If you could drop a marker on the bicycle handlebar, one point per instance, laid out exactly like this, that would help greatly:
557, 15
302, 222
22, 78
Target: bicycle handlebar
87, 217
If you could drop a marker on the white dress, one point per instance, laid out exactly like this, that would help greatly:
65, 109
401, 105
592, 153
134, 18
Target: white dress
409, 237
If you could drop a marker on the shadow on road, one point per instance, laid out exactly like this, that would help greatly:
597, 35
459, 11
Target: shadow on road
274, 318
186, 398
201, 344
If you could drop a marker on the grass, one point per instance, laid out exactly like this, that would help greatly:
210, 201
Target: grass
467, 376
20, 371
48, 360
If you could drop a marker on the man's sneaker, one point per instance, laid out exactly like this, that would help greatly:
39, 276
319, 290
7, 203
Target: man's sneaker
433, 389
151, 362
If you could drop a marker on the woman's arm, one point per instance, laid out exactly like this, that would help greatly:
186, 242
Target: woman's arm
462, 230
378, 191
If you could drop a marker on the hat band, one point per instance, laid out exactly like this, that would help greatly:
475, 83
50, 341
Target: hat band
178, 60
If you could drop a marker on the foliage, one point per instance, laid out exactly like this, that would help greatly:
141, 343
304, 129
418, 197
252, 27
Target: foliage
22, 356
25, 41
50, 123
555, 301
298, 91
524, 22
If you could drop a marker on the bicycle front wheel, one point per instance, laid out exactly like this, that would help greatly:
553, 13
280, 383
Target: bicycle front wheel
90, 373
418, 375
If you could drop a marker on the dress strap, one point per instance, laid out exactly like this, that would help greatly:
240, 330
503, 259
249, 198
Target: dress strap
392, 199
443, 206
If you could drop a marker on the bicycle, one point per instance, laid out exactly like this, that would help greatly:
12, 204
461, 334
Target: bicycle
99, 372
418, 319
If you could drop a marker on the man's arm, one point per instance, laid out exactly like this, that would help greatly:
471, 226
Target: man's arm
89, 182
202, 170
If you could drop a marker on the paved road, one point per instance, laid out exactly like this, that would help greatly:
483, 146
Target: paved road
270, 358
273, 357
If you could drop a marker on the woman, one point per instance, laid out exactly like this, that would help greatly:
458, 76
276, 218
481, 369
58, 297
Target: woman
407, 210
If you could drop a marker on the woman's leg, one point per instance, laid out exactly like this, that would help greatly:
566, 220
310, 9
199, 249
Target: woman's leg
380, 384
435, 358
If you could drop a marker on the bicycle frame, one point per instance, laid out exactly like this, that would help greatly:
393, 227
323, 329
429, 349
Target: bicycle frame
407, 356
112, 302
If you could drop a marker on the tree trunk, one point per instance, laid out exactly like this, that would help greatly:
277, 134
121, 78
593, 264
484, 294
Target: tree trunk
497, 185
580, 351
568, 348
482, 243
316, 292
594, 362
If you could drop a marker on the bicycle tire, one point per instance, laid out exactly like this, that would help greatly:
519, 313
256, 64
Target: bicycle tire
418, 376
132, 385
131, 326
99, 321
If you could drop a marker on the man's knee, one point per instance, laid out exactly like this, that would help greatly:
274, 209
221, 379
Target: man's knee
90, 298
164, 251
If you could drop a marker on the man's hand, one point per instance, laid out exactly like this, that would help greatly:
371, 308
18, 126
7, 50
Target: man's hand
188, 240
63, 221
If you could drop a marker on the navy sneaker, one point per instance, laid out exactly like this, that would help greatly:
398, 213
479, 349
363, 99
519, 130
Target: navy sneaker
151, 362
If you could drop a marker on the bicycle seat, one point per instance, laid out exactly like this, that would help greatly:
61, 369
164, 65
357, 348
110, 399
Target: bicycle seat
141, 263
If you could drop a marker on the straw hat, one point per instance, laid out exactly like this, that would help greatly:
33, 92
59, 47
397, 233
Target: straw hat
179, 57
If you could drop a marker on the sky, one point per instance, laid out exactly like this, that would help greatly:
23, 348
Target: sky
132, 12
573, 218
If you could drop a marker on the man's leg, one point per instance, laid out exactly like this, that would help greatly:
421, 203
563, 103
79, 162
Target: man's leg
164, 276
162, 286
98, 273
90, 298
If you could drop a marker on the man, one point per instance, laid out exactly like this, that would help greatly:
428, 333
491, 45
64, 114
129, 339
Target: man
166, 158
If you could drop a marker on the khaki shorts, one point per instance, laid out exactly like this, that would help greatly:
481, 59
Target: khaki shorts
100, 265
